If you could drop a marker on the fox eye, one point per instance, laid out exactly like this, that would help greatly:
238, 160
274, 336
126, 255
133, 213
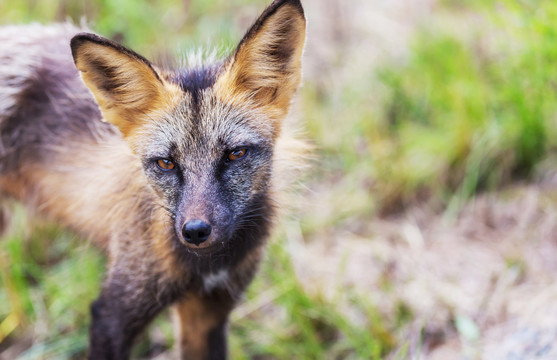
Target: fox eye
165, 164
237, 154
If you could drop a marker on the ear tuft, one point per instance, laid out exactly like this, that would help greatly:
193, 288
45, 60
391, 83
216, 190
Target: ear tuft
265, 69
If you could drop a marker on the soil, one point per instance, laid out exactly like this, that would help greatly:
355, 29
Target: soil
482, 284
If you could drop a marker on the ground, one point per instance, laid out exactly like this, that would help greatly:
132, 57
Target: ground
480, 284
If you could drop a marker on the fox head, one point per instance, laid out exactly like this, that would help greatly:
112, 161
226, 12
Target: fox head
205, 136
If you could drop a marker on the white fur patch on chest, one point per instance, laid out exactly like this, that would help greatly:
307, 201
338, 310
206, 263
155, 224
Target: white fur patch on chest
217, 280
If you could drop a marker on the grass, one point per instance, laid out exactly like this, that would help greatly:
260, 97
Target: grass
308, 325
470, 109
48, 278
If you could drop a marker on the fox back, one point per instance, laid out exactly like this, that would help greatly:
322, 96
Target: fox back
173, 171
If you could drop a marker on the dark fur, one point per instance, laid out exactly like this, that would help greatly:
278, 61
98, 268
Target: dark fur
58, 157
194, 81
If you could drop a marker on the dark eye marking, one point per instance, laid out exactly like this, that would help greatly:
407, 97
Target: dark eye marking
237, 154
165, 164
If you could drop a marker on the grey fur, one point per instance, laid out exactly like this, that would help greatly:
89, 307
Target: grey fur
41, 92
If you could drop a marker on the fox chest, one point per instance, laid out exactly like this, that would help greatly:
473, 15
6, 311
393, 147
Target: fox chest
218, 280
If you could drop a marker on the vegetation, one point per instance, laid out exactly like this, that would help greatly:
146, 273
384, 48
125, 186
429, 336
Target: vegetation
470, 109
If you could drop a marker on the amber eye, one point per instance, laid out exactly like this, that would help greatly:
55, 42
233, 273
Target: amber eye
165, 164
237, 154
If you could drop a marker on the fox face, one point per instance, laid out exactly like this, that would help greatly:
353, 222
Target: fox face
204, 136
210, 166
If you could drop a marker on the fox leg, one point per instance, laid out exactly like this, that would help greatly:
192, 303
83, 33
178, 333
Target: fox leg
201, 322
4, 220
124, 308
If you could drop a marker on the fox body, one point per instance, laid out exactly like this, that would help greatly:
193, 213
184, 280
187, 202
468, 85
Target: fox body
177, 183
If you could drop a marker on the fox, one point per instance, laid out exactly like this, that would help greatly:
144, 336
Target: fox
173, 171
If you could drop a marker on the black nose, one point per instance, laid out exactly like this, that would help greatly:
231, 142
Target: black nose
196, 231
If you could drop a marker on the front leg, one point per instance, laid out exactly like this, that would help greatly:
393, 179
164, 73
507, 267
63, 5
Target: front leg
124, 308
201, 322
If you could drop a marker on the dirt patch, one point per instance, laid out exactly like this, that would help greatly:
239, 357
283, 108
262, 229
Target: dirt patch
482, 284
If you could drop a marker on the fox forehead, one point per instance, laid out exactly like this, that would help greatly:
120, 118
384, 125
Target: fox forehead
202, 124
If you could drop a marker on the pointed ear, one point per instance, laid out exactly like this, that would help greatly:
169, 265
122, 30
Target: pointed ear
125, 84
266, 68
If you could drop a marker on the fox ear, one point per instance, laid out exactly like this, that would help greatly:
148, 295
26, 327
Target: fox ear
125, 84
266, 68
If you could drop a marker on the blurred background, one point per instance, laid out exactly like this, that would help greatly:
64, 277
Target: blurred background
426, 227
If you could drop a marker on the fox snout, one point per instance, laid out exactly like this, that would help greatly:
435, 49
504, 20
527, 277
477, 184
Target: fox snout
196, 232
201, 224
